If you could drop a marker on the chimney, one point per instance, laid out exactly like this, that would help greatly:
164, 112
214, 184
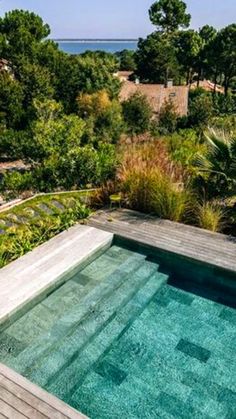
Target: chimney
170, 83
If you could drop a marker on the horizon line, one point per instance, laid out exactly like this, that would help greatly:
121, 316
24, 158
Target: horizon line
96, 39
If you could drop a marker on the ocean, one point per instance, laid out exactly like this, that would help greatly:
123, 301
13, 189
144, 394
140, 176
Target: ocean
81, 45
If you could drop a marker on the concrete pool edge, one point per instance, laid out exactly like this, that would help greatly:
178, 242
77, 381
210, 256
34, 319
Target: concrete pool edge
39, 272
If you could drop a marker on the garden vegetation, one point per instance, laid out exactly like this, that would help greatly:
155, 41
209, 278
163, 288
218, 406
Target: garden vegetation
62, 116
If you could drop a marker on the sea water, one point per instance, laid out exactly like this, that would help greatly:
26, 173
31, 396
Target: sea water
81, 46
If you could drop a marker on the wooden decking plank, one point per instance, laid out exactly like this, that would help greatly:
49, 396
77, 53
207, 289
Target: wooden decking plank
9, 412
184, 240
26, 396
211, 248
27, 400
23, 407
43, 402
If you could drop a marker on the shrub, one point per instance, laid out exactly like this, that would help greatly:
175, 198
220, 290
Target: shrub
200, 110
16, 182
210, 216
21, 240
137, 114
168, 118
183, 147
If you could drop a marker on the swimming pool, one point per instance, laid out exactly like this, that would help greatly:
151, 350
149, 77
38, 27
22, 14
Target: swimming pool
134, 334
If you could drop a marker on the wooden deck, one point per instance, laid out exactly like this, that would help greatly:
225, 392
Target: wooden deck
201, 245
20, 399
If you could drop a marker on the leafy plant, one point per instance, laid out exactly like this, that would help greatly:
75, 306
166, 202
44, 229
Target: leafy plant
218, 165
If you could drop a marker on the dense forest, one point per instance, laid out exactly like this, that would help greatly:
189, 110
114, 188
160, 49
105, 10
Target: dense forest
61, 115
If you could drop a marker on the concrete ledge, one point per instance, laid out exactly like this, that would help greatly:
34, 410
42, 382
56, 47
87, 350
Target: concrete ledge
37, 273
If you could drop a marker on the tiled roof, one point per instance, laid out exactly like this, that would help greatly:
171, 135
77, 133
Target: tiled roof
157, 95
208, 86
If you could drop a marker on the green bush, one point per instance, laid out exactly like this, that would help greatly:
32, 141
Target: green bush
137, 114
200, 110
168, 118
20, 240
16, 182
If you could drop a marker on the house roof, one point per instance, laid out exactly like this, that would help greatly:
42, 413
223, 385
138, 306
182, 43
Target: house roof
208, 86
157, 95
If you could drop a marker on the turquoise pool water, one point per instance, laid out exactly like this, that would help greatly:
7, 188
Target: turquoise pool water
129, 337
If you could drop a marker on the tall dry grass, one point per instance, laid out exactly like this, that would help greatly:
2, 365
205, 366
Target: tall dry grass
152, 182
211, 216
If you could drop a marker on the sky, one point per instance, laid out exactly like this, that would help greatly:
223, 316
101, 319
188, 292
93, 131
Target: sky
115, 19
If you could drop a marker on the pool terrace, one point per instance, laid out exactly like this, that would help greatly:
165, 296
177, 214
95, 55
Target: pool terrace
202, 387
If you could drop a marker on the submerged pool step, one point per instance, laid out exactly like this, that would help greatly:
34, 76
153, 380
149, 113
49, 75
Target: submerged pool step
65, 350
40, 319
35, 354
68, 380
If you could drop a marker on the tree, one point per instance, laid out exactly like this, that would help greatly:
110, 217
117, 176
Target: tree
36, 84
156, 59
127, 60
207, 34
200, 109
137, 114
56, 136
169, 15
225, 54
11, 101
103, 116
168, 117
188, 46
23, 30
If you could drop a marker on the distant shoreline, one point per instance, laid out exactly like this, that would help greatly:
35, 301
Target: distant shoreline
95, 40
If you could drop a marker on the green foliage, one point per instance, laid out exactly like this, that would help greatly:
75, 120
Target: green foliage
103, 117
156, 58
168, 118
169, 15
57, 136
188, 46
183, 147
11, 101
200, 109
22, 31
16, 182
221, 57
126, 60
137, 114
26, 236
224, 105
217, 167
12, 142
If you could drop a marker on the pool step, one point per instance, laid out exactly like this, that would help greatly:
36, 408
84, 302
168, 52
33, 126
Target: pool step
68, 380
67, 348
44, 315
41, 348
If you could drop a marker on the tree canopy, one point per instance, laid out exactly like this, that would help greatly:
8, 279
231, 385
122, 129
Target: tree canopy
169, 15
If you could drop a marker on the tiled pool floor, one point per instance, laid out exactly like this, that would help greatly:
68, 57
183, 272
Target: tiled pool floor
118, 341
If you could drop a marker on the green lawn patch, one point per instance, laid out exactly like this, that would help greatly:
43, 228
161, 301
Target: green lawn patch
35, 221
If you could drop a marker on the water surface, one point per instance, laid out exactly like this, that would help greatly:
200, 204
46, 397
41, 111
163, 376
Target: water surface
79, 47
